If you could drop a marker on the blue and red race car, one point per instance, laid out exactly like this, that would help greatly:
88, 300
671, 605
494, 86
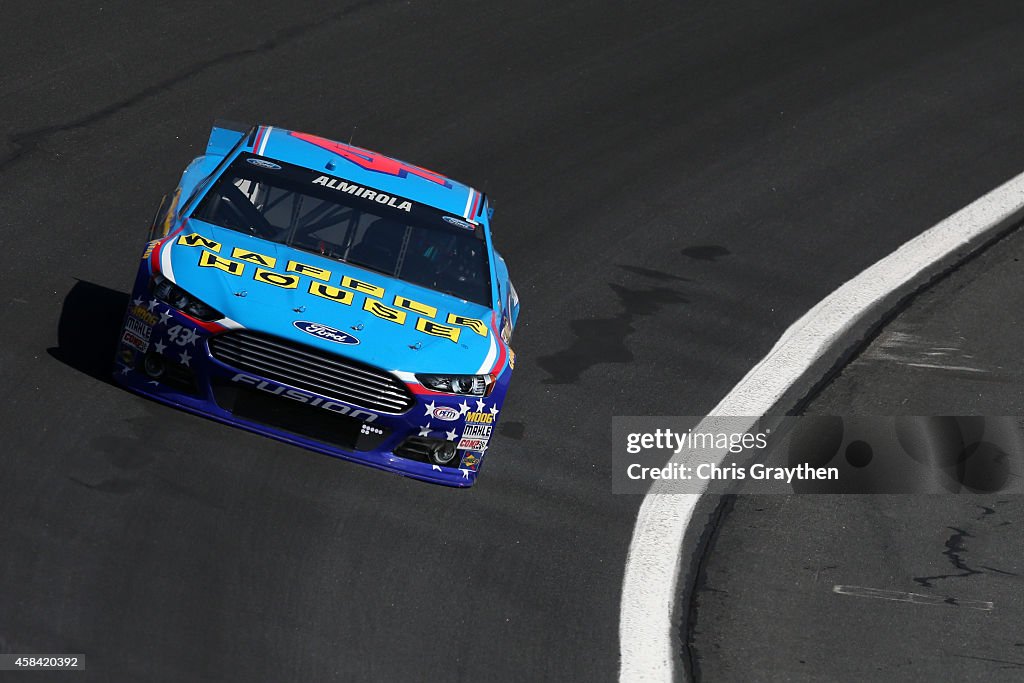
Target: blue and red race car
327, 296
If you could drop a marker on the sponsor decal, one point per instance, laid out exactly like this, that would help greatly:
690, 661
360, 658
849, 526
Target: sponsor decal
144, 314
135, 341
459, 222
472, 323
138, 328
349, 282
477, 431
472, 444
165, 222
148, 251
384, 312
438, 330
276, 279
263, 163
480, 416
445, 413
312, 271
195, 239
364, 192
208, 259
325, 332
471, 460
253, 257
511, 359
415, 306
128, 357
373, 301
304, 397
333, 293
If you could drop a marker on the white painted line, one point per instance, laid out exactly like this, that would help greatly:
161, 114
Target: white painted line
915, 598
647, 646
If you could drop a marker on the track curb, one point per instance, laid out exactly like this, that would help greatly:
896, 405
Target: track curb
654, 646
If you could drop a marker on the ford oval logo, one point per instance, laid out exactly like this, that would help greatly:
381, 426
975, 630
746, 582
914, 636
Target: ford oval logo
445, 413
324, 332
456, 221
262, 163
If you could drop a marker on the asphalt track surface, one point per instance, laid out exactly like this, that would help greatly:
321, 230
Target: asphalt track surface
765, 608
675, 184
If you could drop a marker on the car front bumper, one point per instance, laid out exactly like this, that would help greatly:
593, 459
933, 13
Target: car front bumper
166, 355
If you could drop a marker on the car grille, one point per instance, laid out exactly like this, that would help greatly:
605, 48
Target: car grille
307, 368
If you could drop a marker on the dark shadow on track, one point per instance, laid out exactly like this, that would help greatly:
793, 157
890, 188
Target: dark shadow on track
87, 331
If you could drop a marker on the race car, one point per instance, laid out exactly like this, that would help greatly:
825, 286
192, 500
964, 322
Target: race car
327, 296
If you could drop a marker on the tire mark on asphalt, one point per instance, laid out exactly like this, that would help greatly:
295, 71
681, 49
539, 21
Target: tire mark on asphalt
653, 274
706, 252
1012, 664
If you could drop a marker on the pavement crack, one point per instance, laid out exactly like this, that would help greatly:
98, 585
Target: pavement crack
954, 550
999, 571
26, 142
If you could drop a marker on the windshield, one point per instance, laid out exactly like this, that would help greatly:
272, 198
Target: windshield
351, 223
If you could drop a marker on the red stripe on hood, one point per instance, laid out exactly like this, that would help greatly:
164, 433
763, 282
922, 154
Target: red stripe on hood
259, 138
502, 349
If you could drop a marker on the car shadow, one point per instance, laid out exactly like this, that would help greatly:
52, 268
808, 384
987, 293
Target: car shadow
87, 332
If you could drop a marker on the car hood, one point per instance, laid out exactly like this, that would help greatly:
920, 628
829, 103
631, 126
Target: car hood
278, 290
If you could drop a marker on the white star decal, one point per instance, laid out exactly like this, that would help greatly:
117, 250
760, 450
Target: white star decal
192, 339
430, 408
451, 435
435, 467
493, 411
137, 302
479, 405
425, 431
185, 358
124, 370
153, 382
159, 346
463, 408
164, 317
152, 304
465, 473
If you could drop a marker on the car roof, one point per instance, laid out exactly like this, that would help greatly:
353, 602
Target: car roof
369, 168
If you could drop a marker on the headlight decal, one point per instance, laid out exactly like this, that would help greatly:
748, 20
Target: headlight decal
459, 385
